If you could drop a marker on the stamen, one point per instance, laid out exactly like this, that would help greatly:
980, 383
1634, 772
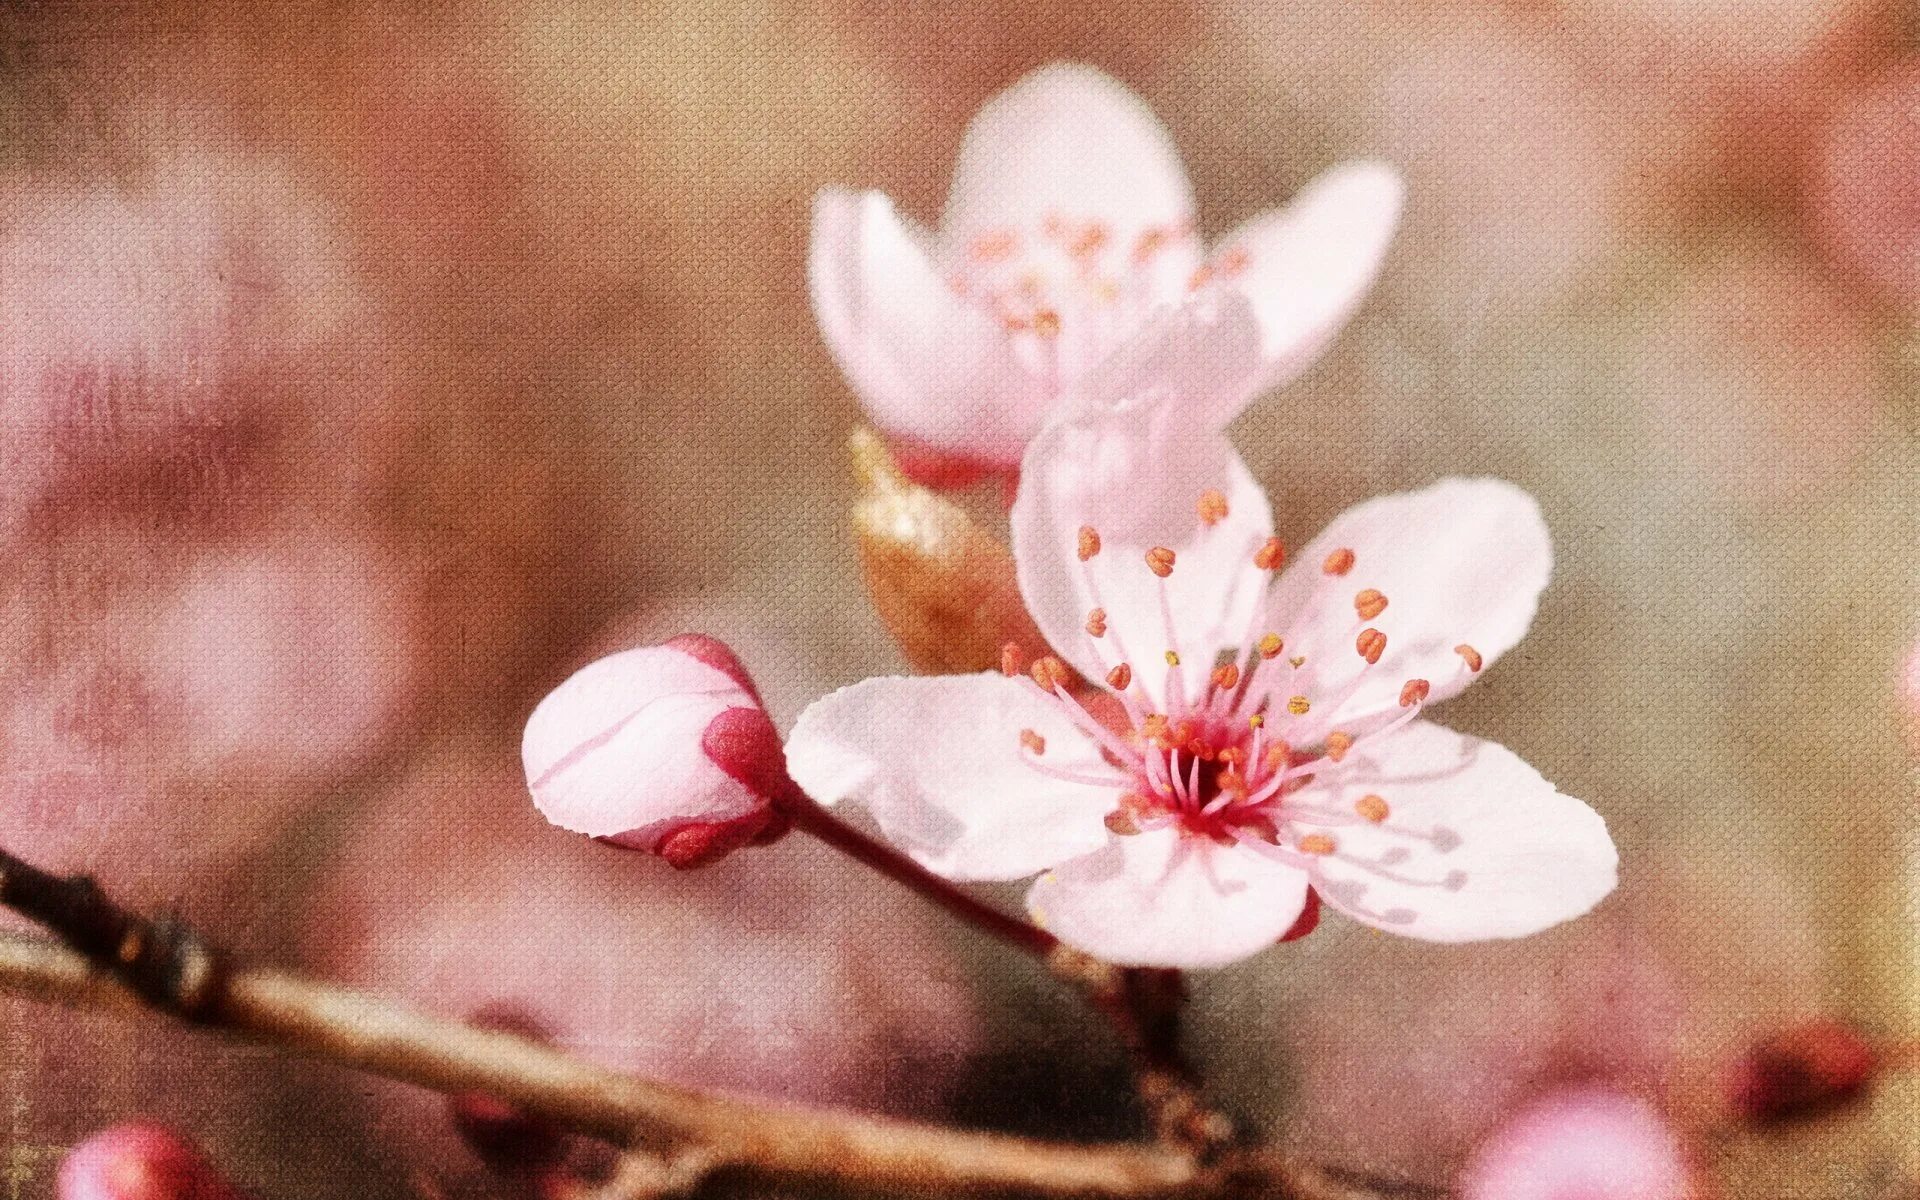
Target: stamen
1256, 721
1271, 646
1120, 678
1369, 604
1271, 555
1097, 623
1339, 562
1298, 706
1010, 657
1338, 744
1033, 741
1371, 644
1212, 507
1373, 808
1226, 677
1173, 658
1046, 323
1415, 691
1050, 673
1470, 656
1089, 542
1318, 843
1297, 661
1160, 561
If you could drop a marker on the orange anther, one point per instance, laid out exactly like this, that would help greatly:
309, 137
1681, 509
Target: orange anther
1369, 604
1097, 623
1414, 692
1212, 507
1154, 728
1271, 555
1371, 644
1338, 744
1226, 677
1120, 678
1160, 561
1317, 843
1046, 323
1121, 823
1049, 672
1339, 562
1092, 237
1011, 659
1271, 646
1275, 756
1089, 542
1033, 741
1371, 807
997, 246
1473, 660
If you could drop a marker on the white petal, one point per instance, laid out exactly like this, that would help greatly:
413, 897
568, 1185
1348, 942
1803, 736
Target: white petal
1163, 899
925, 363
938, 761
1132, 463
616, 749
1071, 142
1307, 266
1462, 562
1482, 846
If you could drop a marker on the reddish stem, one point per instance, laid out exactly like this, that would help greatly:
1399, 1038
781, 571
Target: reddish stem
808, 815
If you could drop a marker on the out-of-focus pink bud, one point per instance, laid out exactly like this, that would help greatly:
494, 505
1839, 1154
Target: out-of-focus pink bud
1799, 1072
140, 1161
505, 1138
1579, 1144
662, 748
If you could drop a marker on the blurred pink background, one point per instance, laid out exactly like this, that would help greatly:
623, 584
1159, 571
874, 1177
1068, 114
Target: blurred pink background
364, 369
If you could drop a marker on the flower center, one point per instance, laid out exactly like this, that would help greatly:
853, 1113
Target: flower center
1067, 289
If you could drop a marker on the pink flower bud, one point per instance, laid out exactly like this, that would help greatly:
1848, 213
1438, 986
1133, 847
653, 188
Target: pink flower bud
1808, 1069
140, 1161
663, 748
1579, 1144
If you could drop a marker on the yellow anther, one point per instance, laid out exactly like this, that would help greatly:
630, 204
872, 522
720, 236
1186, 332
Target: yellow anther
1271, 646
1298, 706
1338, 744
1173, 660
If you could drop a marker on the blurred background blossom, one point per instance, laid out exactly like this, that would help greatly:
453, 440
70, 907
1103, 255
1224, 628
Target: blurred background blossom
366, 368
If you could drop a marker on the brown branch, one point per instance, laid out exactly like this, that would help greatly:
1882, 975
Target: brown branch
126, 963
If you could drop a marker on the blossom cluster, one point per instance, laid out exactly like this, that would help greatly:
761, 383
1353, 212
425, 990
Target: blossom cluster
1220, 736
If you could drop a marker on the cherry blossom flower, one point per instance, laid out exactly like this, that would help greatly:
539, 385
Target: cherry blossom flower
1250, 731
1578, 1144
1068, 231
664, 748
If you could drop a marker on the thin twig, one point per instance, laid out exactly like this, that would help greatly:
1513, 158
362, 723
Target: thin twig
710, 1140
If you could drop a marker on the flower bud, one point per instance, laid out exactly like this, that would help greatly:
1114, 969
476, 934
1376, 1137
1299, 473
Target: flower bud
503, 1137
140, 1161
665, 749
1583, 1142
1799, 1072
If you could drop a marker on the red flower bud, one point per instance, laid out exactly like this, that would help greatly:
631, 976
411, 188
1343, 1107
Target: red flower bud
140, 1160
1800, 1072
503, 1137
664, 749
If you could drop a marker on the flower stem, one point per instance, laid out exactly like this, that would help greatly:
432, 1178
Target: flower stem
808, 815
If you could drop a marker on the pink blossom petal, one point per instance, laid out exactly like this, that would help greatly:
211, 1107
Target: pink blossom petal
939, 762
1132, 464
926, 364
1166, 900
1068, 141
616, 749
1306, 267
1580, 1144
1475, 844
1460, 563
